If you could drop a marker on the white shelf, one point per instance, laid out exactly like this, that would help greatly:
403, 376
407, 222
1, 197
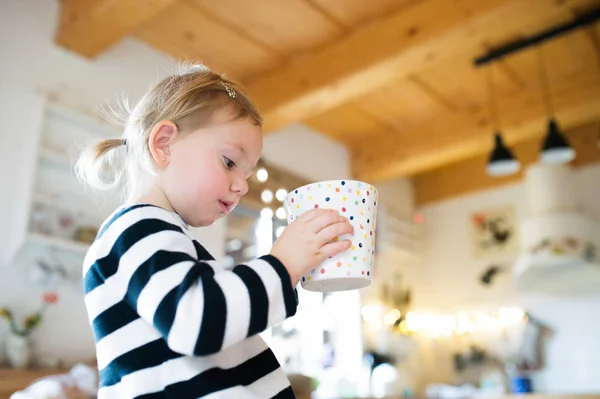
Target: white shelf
53, 185
58, 243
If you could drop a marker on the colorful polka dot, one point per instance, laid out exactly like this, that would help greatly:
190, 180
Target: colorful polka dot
327, 199
343, 209
337, 189
351, 217
339, 264
343, 183
322, 271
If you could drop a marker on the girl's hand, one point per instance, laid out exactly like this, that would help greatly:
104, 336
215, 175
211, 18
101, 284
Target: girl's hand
309, 240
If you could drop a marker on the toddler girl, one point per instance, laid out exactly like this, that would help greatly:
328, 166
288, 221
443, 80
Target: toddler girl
169, 321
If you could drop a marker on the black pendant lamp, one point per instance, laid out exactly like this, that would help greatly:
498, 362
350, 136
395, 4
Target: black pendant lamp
555, 147
501, 161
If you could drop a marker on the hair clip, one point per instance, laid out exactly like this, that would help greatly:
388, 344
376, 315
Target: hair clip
229, 90
123, 141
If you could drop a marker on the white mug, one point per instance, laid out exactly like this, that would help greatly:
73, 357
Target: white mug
356, 200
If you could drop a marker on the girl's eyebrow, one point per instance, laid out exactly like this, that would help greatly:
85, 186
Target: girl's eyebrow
236, 145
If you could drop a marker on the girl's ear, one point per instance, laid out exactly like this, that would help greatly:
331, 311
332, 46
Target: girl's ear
161, 138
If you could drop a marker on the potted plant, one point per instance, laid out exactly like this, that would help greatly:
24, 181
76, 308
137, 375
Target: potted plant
17, 342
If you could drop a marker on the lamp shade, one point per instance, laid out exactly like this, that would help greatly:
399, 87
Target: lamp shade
556, 149
501, 161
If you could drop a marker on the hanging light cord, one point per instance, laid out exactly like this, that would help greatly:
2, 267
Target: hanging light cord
545, 83
493, 104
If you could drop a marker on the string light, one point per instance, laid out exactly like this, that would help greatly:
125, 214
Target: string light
280, 194
262, 175
442, 325
280, 213
266, 196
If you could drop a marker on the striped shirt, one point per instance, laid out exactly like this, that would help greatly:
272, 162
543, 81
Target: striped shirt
171, 322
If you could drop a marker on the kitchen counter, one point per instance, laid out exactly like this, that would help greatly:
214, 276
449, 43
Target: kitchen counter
13, 380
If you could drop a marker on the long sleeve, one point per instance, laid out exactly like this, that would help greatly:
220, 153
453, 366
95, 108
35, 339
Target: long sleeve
148, 262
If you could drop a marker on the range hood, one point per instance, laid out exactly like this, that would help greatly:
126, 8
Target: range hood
560, 240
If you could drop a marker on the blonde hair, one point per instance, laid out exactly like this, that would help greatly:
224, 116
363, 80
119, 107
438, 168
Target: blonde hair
189, 98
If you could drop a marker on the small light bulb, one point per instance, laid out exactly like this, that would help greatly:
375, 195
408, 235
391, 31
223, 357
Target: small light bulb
280, 213
280, 194
266, 213
262, 175
266, 196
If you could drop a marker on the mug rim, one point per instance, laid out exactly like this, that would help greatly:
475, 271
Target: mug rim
292, 191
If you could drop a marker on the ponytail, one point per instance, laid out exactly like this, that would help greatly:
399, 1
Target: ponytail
100, 165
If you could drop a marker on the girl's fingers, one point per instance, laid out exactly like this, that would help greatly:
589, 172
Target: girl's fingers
334, 248
332, 231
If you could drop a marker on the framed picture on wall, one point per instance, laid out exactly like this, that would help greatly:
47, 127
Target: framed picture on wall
494, 231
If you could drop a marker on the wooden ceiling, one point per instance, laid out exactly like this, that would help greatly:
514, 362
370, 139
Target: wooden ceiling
392, 79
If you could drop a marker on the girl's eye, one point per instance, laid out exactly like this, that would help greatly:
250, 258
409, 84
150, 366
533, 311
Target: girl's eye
229, 163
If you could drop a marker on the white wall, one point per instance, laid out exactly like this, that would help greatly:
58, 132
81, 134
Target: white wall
307, 154
450, 284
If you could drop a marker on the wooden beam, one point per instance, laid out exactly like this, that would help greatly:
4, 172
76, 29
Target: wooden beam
468, 176
371, 57
458, 137
401, 44
89, 27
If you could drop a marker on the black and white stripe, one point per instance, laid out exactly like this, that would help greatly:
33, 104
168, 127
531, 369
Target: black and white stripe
170, 322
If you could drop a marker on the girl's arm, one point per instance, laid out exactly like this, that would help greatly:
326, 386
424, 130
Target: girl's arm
153, 267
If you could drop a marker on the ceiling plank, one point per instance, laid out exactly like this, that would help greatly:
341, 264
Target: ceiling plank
456, 137
351, 13
88, 28
287, 27
469, 176
187, 33
391, 48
